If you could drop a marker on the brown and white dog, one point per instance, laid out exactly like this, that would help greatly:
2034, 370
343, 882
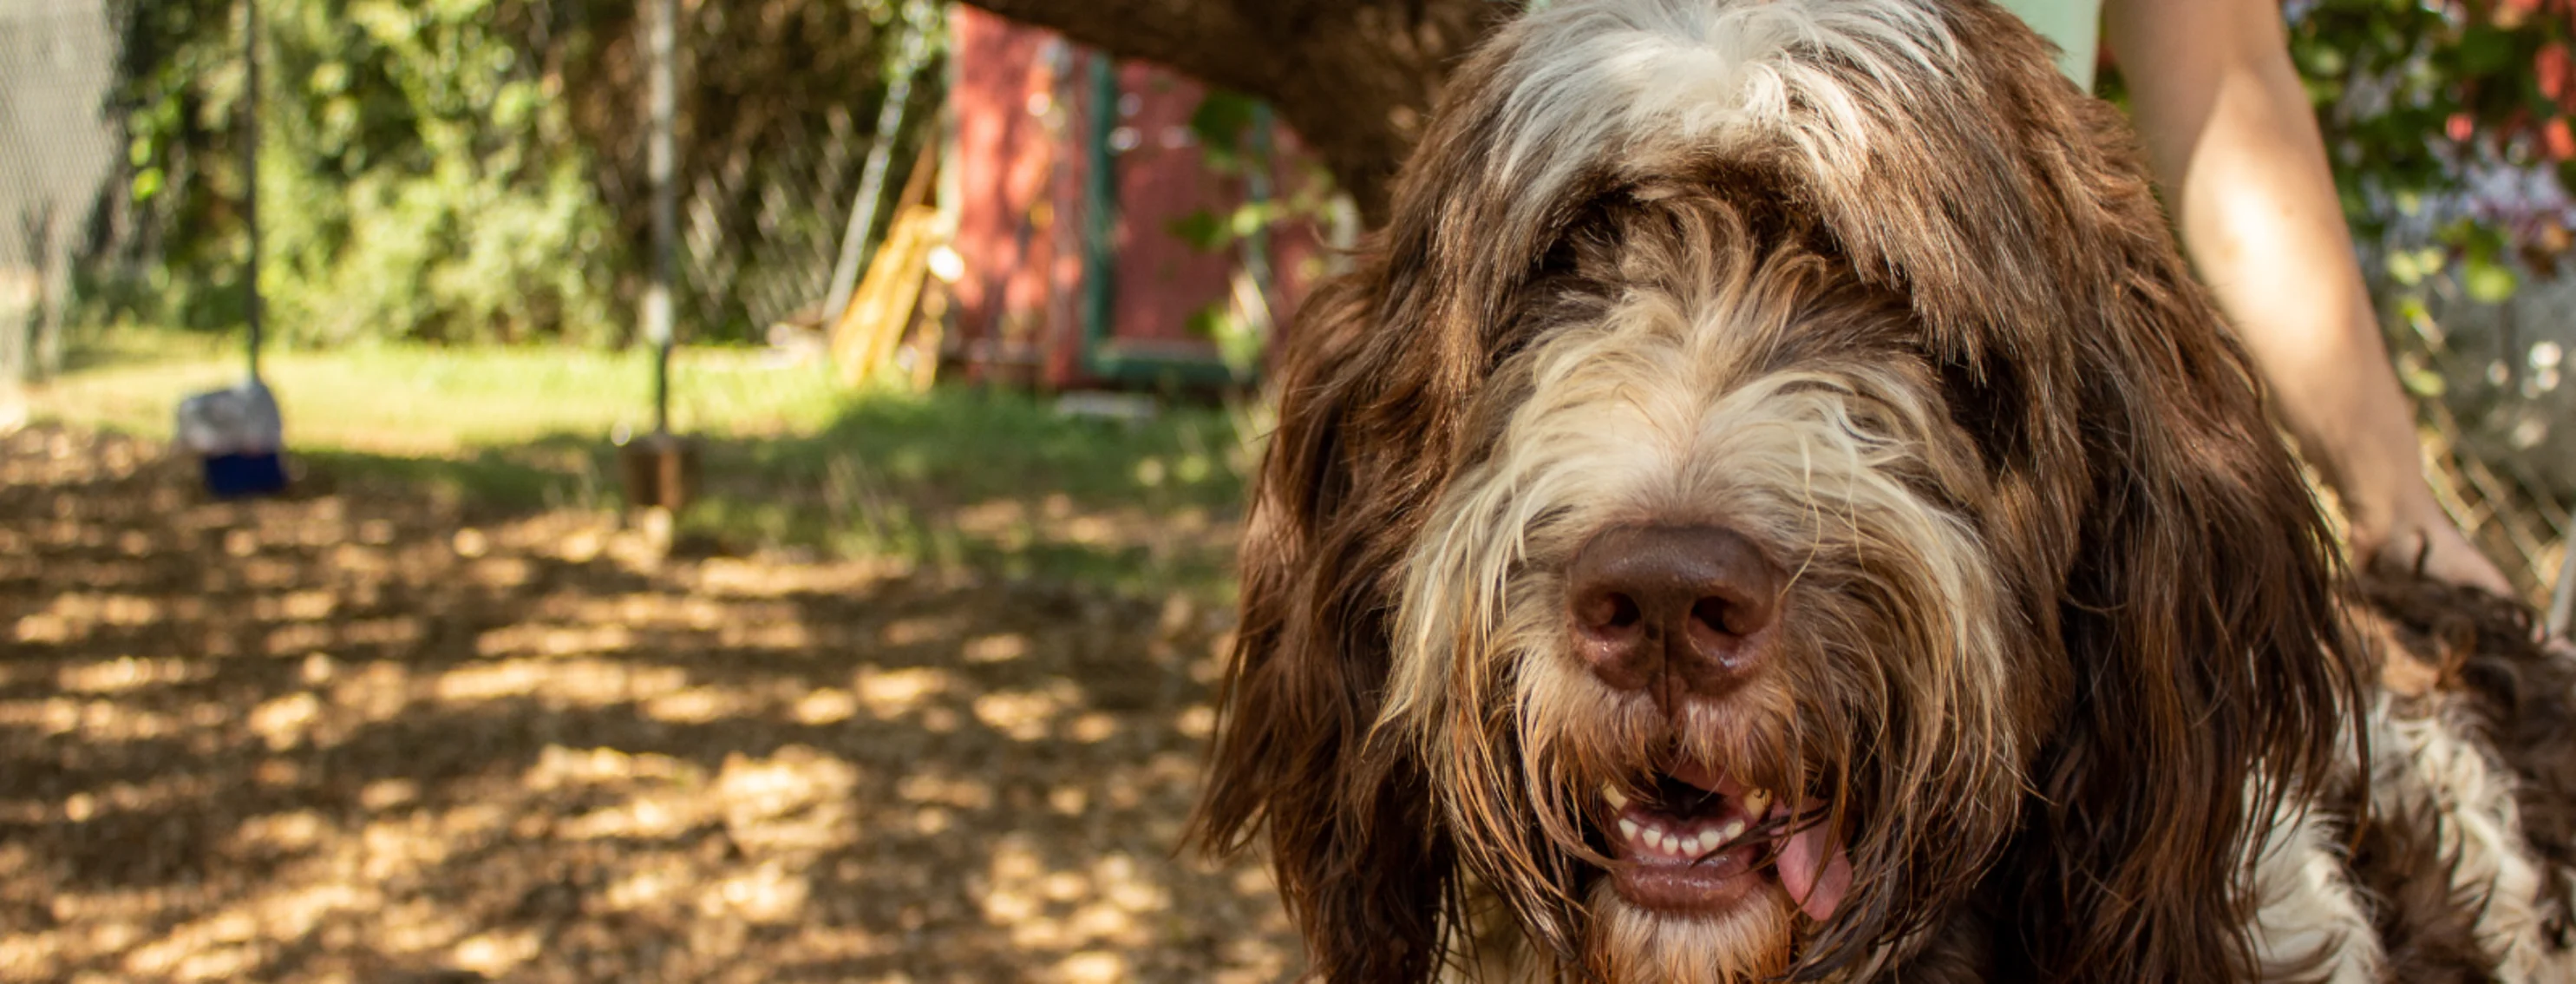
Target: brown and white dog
1774, 503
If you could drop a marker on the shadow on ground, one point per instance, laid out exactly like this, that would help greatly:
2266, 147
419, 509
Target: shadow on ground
384, 732
961, 479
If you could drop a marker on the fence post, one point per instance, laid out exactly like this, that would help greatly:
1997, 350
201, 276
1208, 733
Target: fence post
662, 162
872, 175
251, 300
2562, 596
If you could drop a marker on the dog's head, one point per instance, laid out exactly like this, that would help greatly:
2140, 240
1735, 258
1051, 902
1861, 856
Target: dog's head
1772, 492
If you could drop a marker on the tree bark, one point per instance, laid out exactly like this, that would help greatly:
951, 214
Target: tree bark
1356, 78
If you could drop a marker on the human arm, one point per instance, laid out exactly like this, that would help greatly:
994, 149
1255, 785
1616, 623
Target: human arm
2231, 138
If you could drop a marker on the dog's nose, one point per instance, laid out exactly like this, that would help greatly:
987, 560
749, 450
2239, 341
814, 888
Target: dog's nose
1661, 605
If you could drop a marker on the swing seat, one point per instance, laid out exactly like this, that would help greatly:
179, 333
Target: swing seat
236, 434
235, 476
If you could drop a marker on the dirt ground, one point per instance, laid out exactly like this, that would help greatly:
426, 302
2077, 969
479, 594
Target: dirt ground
368, 735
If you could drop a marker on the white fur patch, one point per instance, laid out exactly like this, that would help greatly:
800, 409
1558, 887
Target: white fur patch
2309, 925
2425, 765
1634, 946
1620, 78
1746, 946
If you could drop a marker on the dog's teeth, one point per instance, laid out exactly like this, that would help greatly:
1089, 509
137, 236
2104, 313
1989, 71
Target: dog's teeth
1667, 843
1757, 801
1628, 829
1699, 844
1618, 800
1732, 830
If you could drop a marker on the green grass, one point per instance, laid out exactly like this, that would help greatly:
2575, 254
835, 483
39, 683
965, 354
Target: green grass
992, 480
436, 400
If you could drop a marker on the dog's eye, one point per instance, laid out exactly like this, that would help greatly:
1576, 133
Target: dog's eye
1561, 259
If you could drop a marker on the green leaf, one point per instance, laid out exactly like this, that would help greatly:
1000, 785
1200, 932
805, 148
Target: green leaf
1252, 217
1203, 230
1208, 322
2405, 268
2410, 307
1222, 119
2488, 282
330, 78
2486, 50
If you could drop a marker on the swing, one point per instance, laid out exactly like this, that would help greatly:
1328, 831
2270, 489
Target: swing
236, 433
660, 470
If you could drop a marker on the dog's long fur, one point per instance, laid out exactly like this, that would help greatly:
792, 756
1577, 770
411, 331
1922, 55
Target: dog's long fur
1867, 281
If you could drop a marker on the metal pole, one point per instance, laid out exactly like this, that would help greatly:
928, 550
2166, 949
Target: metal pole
1258, 191
664, 166
250, 173
863, 208
2562, 596
1100, 216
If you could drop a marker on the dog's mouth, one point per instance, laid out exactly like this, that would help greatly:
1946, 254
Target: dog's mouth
1689, 839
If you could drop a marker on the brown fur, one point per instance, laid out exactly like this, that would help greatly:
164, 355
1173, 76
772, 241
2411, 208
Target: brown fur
2427, 926
2481, 647
2169, 576
1821, 706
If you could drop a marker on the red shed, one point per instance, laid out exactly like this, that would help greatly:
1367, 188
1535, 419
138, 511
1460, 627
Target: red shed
1072, 173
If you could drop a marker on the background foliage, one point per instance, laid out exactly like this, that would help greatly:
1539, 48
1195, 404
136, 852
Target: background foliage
458, 170
473, 169
2448, 122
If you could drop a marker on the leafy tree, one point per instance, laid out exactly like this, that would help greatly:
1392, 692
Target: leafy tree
474, 169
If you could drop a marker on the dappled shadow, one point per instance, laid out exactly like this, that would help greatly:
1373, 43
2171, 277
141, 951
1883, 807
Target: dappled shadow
380, 732
961, 478
997, 481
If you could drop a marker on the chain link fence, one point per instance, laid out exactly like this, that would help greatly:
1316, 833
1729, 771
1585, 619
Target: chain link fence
59, 154
780, 118
2497, 408
771, 168
761, 227
758, 243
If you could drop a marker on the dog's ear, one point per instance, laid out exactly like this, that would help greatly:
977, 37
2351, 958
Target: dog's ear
2211, 677
2194, 573
1374, 381
2145, 506
1357, 847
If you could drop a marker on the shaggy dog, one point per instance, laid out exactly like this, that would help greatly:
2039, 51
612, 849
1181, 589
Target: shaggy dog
1773, 503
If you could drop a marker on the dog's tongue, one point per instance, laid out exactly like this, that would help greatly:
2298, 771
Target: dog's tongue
1816, 879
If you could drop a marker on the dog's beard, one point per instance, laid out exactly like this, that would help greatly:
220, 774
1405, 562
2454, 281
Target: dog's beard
1752, 942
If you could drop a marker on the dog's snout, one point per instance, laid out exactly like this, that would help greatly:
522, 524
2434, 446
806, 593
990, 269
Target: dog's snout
1657, 605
